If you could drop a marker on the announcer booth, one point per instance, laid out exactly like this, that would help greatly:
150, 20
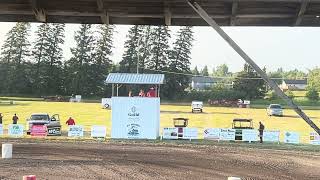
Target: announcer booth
135, 117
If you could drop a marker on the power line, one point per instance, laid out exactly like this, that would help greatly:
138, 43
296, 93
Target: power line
225, 77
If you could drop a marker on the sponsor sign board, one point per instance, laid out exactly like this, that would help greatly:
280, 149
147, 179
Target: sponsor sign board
75, 131
314, 138
271, 136
98, 131
190, 133
1, 129
170, 133
291, 137
211, 133
135, 117
249, 135
15, 130
227, 134
38, 130
54, 131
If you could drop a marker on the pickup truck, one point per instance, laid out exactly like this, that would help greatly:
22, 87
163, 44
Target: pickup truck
52, 123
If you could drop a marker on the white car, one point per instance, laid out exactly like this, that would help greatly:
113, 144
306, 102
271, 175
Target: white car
275, 110
197, 106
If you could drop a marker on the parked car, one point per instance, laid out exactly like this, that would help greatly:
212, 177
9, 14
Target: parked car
275, 110
52, 123
197, 106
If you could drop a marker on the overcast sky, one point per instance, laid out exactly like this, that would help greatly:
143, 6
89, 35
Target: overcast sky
273, 47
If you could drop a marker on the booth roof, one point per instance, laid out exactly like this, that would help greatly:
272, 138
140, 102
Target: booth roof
130, 78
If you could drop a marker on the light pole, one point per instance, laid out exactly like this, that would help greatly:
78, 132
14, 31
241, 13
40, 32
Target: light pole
138, 54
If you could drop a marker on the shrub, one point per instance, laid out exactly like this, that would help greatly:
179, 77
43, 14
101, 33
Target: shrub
225, 94
312, 94
289, 94
271, 95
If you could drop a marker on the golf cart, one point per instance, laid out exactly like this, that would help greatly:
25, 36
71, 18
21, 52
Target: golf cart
197, 106
239, 125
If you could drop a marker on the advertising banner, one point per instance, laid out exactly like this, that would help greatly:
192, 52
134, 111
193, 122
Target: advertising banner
291, 137
38, 130
314, 138
1, 129
54, 131
271, 136
15, 130
190, 133
227, 134
98, 131
135, 117
75, 131
212, 134
170, 133
249, 135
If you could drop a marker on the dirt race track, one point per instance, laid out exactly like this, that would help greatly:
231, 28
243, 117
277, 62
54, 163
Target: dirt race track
116, 160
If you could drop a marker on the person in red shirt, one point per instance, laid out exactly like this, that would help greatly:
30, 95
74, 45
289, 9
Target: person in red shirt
70, 121
152, 92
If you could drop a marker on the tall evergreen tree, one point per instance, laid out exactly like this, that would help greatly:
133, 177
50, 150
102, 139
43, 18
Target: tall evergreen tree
55, 55
205, 71
15, 53
102, 63
159, 48
180, 63
129, 60
47, 56
144, 48
195, 71
78, 67
39, 57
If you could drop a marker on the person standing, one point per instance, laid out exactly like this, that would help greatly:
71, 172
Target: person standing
130, 94
141, 93
152, 92
70, 122
15, 119
1, 118
261, 129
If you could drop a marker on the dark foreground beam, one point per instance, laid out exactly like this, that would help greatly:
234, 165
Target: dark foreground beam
302, 10
103, 12
263, 75
39, 13
234, 13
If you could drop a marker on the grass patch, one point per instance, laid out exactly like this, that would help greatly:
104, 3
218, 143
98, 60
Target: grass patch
88, 114
7, 98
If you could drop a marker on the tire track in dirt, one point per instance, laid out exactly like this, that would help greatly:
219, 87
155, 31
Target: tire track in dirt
155, 161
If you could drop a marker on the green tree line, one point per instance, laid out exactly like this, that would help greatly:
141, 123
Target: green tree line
39, 68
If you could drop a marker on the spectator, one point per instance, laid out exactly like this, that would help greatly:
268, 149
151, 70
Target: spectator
141, 93
15, 119
130, 94
151, 92
1, 118
261, 129
70, 121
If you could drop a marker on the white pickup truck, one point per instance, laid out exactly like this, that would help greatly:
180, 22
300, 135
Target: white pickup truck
52, 123
197, 106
